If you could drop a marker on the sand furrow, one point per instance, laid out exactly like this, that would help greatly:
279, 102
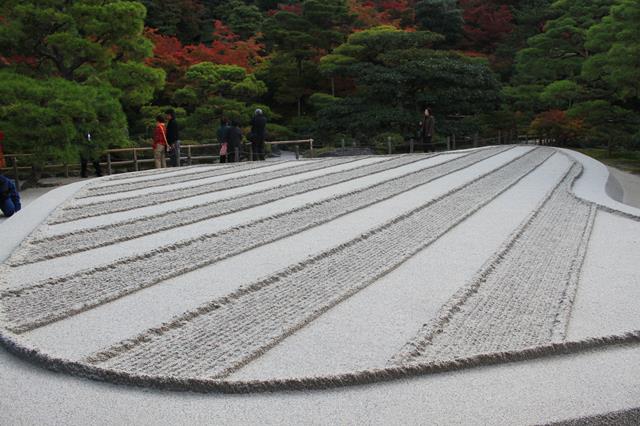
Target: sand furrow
152, 173
74, 211
225, 334
200, 173
89, 238
44, 302
523, 296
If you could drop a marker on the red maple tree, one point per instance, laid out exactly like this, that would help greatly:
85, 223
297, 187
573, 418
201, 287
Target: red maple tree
486, 24
226, 48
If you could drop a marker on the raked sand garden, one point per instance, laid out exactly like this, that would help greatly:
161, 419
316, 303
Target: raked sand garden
491, 286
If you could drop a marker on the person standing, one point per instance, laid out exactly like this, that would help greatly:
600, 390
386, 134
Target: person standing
173, 138
9, 197
223, 139
258, 133
160, 143
427, 129
87, 152
234, 140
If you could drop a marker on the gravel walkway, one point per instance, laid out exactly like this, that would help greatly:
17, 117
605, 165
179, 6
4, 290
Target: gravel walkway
161, 180
41, 303
223, 335
74, 210
88, 238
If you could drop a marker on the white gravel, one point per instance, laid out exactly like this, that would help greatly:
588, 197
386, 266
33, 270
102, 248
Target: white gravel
386, 315
29, 273
92, 330
609, 291
526, 393
359, 333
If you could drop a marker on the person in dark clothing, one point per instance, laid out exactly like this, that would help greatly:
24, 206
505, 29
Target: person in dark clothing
234, 140
258, 134
87, 154
223, 139
427, 128
173, 138
9, 197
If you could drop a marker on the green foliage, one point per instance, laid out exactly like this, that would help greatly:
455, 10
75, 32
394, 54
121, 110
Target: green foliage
98, 48
442, 17
616, 41
397, 75
184, 19
51, 118
66, 37
320, 101
605, 122
558, 52
381, 142
561, 93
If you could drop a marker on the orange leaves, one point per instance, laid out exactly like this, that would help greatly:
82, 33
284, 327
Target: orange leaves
557, 125
227, 48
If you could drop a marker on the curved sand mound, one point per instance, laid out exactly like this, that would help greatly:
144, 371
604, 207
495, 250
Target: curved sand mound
320, 273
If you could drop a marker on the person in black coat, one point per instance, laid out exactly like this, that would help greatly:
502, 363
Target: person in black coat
234, 140
173, 138
88, 153
258, 134
223, 139
427, 129
9, 197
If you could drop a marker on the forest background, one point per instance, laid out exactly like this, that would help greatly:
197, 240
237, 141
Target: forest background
355, 70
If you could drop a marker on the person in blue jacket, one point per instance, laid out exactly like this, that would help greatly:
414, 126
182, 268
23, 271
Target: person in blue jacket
9, 197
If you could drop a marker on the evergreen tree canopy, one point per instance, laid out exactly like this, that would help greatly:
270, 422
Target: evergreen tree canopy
51, 118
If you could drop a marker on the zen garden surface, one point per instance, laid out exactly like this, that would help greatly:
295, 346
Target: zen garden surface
496, 285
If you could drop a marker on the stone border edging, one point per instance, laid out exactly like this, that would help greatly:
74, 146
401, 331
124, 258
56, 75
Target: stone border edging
361, 377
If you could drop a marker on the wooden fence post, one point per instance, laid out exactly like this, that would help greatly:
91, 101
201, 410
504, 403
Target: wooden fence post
297, 148
109, 170
389, 144
189, 154
411, 146
15, 173
236, 154
135, 160
448, 143
66, 170
311, 153
250, 152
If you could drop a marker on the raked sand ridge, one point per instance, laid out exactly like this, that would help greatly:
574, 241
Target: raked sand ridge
324, 273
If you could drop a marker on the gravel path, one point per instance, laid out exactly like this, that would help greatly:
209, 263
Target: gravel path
51, 300
223, 335
523, 297
88, 238
74, 210
162, 180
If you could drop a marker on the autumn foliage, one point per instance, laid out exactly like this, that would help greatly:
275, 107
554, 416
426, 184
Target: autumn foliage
555, 124
226, 48
486, 23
